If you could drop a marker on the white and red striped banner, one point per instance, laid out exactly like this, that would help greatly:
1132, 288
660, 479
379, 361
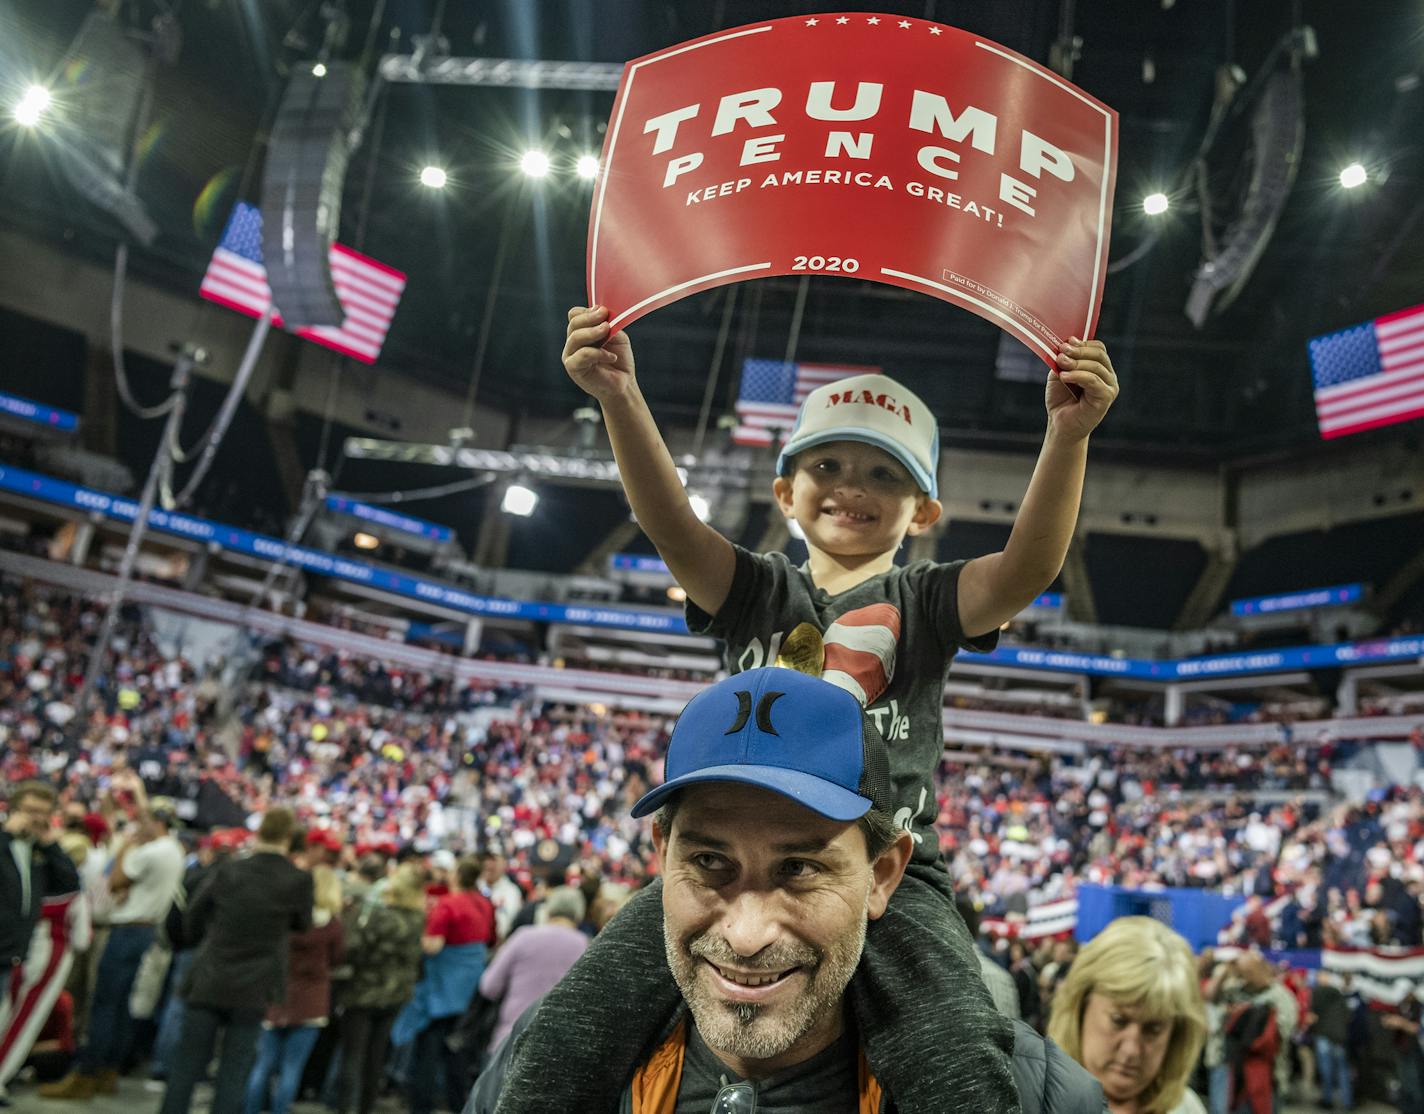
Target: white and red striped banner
1384, 975
1053, 918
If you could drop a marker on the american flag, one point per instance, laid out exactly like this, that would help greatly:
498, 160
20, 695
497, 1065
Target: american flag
369, 291
772, 392
1370, 375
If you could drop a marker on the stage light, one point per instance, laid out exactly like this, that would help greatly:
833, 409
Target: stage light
319, 70
433, 177
366, 541
535, 164
587, 167
1154, 204
519, 500
677, 593
1352, 176
700, 506
32, 106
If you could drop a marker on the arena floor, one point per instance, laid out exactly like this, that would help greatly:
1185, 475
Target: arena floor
133, 1097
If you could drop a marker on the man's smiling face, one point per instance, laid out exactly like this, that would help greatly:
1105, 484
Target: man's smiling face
765, 906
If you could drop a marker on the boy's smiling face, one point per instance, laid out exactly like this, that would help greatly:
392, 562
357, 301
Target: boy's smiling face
854, 500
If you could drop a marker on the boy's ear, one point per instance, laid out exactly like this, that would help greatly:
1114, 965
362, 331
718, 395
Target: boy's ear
781, 488
926, 515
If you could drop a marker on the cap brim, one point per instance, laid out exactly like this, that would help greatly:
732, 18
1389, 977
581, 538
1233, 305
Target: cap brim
832, 801
866, 436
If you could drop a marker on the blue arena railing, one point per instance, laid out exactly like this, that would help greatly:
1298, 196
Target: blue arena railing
121, 509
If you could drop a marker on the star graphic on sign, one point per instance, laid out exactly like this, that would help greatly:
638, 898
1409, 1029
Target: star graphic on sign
843, 19
873, 20
812, 22
936, 30
904, 23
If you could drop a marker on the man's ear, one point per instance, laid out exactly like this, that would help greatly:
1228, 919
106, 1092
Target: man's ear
887, 871
660, 846
926, 515
781, 489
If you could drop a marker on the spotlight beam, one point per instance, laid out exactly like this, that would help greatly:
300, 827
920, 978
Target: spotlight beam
1353, 175
32, 106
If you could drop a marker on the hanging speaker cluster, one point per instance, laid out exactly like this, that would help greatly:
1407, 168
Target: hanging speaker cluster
317, 127
102, 89
1277, 137
1276, 141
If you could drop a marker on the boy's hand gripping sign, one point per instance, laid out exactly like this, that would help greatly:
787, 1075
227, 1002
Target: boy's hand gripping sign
870, 146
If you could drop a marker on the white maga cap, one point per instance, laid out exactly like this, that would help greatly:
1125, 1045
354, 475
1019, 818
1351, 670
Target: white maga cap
873, 409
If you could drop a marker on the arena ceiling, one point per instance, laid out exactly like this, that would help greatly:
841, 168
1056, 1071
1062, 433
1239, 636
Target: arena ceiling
1237, 387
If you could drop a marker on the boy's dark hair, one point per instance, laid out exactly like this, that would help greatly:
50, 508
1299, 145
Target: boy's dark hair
878, 826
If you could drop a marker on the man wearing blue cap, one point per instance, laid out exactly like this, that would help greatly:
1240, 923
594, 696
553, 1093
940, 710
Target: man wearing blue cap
778, 848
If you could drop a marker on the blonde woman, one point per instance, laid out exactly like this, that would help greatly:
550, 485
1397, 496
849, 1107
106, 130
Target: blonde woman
1131, 1012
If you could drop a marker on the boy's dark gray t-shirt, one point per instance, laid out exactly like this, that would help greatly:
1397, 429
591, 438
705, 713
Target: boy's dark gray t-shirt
889, 640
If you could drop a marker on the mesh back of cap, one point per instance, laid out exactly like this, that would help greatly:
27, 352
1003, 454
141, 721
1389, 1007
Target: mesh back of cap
875, 768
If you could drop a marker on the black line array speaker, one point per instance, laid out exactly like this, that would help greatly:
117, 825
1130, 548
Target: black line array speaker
316, 128
1277, 138
100, 89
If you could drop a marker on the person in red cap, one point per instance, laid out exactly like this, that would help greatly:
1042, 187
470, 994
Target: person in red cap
96, 827
319, 847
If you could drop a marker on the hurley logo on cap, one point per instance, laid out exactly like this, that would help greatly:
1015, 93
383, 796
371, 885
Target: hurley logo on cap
869, 398
744, 711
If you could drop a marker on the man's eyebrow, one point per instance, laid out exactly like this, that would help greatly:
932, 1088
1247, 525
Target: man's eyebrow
703, 840
811, 846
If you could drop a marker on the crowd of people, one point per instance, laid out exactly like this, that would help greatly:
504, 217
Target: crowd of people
252, 945
1022, 838
390, 757
394, 781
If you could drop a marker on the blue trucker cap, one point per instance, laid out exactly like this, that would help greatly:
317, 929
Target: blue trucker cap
794, 734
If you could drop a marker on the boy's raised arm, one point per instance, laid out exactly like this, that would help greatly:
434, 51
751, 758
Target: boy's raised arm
699, 558
996, 587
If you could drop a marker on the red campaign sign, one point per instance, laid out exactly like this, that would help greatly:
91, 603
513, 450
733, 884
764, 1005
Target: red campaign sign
863, 145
